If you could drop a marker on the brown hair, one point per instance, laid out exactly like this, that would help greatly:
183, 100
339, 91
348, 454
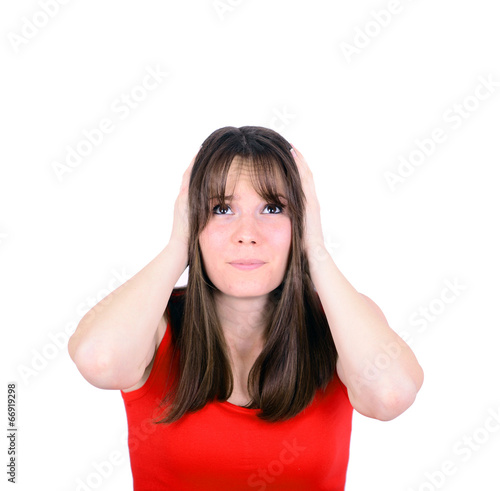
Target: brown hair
299, 354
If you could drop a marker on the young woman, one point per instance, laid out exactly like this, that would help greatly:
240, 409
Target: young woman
246, 378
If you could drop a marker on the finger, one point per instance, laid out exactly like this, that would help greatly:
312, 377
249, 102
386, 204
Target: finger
295, 150
188, 170
195, 155
298, 156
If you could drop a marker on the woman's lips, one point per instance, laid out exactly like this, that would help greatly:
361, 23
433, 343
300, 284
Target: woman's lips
247, 266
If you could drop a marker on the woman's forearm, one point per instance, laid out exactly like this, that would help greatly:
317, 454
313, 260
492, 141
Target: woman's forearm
380, 370
113, 339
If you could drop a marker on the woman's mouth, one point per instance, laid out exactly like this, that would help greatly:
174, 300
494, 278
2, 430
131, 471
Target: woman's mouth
247, 265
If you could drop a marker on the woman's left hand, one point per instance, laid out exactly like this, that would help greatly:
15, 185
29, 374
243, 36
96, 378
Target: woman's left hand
313, 232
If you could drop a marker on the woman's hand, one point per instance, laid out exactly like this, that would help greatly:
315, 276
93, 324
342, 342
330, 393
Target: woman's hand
358, 327
180, 227
313, 233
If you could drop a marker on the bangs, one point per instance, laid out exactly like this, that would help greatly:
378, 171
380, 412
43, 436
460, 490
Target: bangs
267, 176
263, 154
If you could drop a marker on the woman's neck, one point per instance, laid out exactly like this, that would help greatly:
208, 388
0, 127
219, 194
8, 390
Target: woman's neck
243, 321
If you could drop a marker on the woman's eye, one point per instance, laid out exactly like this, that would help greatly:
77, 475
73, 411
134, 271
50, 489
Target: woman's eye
218, 206
225, 208
275, 206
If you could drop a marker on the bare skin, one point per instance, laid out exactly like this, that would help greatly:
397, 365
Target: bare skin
248, 228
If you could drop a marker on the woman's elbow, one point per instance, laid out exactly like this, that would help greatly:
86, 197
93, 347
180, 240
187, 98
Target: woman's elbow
396, 401
97, 368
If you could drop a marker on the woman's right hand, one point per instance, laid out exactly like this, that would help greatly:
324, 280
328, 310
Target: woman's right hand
180, 227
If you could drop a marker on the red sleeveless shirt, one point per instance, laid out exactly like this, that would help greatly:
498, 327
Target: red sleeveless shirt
227, 447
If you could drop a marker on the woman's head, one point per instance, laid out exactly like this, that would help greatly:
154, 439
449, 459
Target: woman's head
298, 356
263, 219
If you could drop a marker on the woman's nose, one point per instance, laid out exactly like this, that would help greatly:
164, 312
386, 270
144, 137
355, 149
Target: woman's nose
246, 229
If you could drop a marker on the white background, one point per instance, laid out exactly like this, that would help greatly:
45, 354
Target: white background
279, 64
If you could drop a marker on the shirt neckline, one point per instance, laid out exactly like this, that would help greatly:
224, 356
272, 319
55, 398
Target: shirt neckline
235, 407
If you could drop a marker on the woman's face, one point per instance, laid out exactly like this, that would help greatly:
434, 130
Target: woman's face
248, 228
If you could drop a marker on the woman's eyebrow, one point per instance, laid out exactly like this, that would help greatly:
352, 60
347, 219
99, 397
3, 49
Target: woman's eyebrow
225, 197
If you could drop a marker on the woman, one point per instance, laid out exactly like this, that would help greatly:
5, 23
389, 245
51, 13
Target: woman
246, 378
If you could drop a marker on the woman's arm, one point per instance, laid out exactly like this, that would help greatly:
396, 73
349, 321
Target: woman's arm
380, 371
115, 341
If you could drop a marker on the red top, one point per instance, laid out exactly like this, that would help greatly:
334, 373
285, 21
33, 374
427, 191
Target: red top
227, 447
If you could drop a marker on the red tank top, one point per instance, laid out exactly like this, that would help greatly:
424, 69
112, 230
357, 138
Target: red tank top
227, 447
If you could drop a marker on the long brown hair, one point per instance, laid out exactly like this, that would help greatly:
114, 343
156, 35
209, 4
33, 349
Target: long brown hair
299, 354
